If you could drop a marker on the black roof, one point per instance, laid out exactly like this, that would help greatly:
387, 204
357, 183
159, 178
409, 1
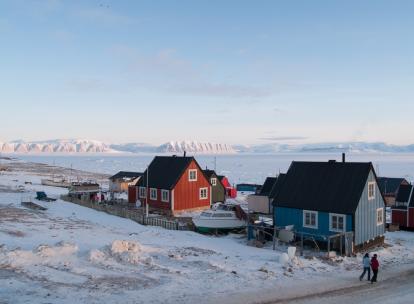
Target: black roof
277, 185
165, 171
267, 186
126, 174
324, 186
404, 193
390, 184
210, 173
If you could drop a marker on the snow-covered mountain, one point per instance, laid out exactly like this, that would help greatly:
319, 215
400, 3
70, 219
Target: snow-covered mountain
134, 148
55, 146
195, 147
93, 146
350, 147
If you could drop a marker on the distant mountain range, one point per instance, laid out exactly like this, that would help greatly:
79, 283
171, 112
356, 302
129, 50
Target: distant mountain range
194, 147
350, 147
55, 146
93, 146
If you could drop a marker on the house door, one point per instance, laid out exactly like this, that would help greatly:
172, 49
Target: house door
349, 243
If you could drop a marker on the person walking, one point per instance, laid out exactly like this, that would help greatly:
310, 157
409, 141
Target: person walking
367, 267
374, 266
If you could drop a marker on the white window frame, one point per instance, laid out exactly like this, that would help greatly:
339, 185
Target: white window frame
152, 191
189, 175
142, 192
343, 216
316, 219
201, 192
167, 198
371, 197
213, 181
382, 216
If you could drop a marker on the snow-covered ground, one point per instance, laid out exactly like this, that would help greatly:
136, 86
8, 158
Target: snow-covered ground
71, 253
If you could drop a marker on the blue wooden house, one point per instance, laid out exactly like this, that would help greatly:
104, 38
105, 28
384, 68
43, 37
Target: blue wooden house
322, 199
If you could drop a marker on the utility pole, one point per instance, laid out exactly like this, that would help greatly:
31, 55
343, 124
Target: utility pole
146, 196
215, 164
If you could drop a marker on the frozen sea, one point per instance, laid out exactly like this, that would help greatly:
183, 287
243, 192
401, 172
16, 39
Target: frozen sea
252, 168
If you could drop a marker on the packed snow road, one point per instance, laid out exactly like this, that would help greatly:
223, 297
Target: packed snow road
397, 289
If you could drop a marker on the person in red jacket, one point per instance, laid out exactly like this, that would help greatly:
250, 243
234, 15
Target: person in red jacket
374, 266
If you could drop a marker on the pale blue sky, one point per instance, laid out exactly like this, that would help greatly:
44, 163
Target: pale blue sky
223, 71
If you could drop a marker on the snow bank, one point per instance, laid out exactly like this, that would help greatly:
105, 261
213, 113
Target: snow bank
60, 250
121, 251
61, 253
119, 247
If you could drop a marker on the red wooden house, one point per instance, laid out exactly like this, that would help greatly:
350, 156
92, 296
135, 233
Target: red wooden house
402, 213
230, 190
176, 184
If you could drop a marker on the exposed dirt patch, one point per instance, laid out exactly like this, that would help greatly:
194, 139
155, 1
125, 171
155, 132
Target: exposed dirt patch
16, 233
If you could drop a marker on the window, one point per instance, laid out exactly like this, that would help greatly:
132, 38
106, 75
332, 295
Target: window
310, 219
401, 204
153, 193
192, 175
371, 190
213, 181
337, 222
142, 192
165, 195
380, 216
203, 193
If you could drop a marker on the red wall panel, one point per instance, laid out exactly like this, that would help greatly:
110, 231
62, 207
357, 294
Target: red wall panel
186, 193
132, 194
411, 217
399, 217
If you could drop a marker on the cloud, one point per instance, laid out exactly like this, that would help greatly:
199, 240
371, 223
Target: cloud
3, 23
284, 138
167, 71
105, 15
86, 85
63, 36
222, 90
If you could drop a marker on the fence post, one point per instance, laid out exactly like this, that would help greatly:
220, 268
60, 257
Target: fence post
301, 244
329, 245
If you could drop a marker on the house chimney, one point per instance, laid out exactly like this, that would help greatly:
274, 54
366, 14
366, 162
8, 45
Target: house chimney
185, 153
343, 157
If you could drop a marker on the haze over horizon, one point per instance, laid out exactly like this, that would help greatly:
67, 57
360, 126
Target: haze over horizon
232, 72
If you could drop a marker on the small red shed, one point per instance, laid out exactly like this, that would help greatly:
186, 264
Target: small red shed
231, 192
402, 213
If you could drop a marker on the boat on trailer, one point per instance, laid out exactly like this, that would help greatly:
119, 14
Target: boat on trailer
222, 217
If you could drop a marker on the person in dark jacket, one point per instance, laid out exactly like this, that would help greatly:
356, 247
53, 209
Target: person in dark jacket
374, 266
366, 263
